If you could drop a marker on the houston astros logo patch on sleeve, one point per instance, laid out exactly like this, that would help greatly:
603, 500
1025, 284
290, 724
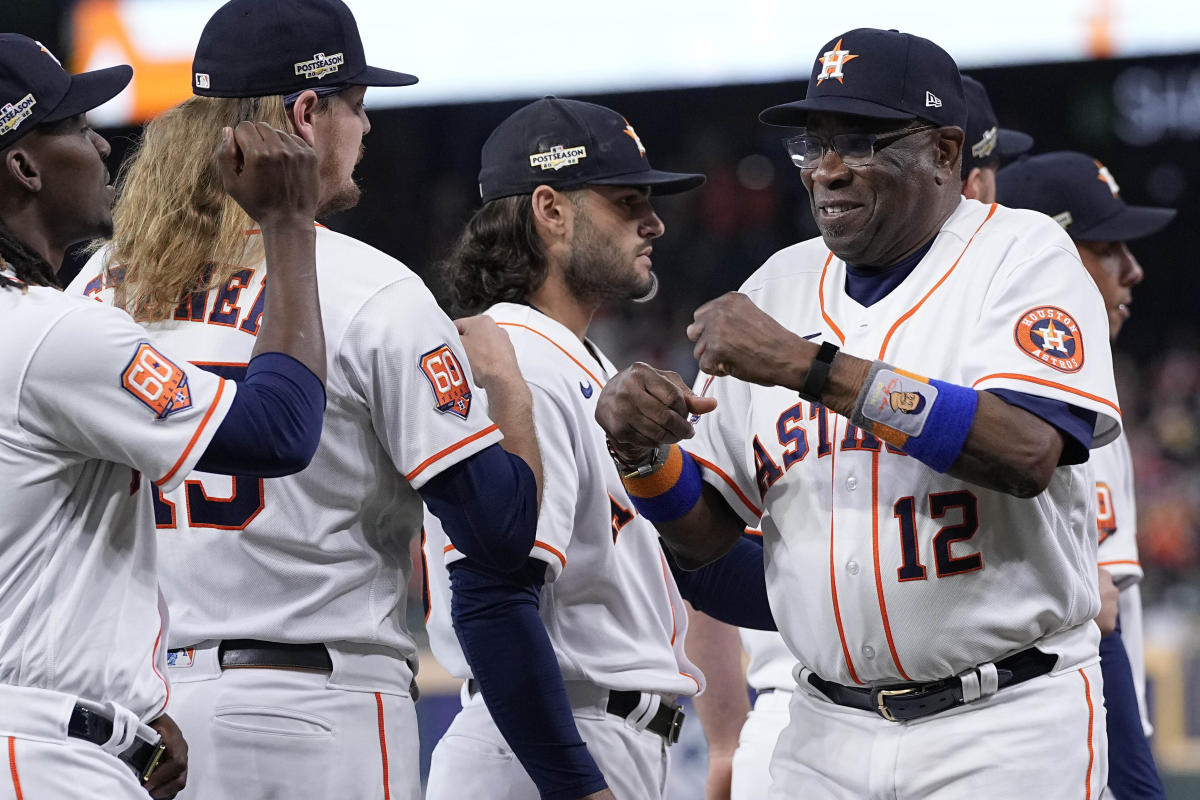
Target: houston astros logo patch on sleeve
1051, 336
157, 382
451, 390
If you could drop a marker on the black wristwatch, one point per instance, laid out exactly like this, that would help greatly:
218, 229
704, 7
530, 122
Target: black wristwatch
652, 463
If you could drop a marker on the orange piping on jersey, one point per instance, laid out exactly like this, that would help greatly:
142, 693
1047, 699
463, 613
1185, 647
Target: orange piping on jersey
1087, 694
12, 767
1017, 377
693, 679
426, 597
154, 665
387, 789
936, 286
449, 450
887, 627
556, 344
1114, 563
550, 549
837, 613
728, 480
666, 580
195, 436
821, 297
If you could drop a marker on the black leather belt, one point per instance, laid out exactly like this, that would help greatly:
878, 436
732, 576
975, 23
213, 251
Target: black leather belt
142, 756
667, 721
235, 653
907, 701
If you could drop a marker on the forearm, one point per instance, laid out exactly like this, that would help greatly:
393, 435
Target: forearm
707, 532
501, 632
293, 311
510, 406
716, 648
731, 589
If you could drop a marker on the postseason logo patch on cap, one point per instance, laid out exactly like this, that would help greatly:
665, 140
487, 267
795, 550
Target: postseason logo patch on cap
13, 114
558, 157
320, 65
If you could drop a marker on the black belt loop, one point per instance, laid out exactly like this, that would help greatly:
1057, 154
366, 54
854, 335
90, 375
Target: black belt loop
909, 701
242, 653
91, 726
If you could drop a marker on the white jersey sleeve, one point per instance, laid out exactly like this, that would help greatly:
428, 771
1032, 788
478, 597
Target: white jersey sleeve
403, 355
719, 447
1044, 331
1116, 512
98, 386
558, 436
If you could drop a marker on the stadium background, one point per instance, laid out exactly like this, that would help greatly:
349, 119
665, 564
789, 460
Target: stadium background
1134, 106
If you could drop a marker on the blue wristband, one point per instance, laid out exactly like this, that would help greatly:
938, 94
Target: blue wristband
670, 492
946, 428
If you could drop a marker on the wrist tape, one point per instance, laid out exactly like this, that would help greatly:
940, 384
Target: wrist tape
927, 419
670, 491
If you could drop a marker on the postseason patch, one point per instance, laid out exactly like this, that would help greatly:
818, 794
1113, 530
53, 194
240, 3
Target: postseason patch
558, 157
13, 114
320, 65
451, 390
157, 382
1051, 336
900, 401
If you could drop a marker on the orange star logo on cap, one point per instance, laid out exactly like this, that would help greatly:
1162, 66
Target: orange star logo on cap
834, 61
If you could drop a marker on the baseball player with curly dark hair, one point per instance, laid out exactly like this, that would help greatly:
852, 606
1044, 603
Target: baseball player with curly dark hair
95, 417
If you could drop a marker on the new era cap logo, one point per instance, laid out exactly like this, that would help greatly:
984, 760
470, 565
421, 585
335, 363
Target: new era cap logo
320, 65
834, 62
558, 157
13, 114
932, 100
1107, 177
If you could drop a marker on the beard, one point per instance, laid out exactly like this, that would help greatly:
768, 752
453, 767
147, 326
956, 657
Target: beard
347, 193
597, 270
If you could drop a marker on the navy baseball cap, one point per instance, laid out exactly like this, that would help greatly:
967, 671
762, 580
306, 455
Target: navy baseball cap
566, 144
1080, 194
883, 74
987, 143
34, 88
256, 48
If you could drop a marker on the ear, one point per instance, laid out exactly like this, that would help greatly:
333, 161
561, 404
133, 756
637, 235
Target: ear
302, 113
949, 151
552, 212
973, 184
20, 167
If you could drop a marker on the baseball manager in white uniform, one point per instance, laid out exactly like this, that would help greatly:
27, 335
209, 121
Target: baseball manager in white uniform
904, 405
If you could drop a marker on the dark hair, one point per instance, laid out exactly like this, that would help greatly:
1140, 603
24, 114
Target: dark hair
29, 267
497, 258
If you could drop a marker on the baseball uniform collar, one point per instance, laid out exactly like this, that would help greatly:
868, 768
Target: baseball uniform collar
591, 360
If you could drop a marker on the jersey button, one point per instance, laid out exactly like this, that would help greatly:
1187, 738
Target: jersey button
852, 567
868, 651
852, 483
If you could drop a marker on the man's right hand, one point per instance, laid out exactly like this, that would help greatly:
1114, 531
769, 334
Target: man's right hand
643, 407
271, 174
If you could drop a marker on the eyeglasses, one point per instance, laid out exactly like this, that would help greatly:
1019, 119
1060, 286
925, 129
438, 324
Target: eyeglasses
855, 149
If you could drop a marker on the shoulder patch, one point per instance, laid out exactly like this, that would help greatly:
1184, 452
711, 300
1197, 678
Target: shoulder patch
451, 390
1051, 336
157, 382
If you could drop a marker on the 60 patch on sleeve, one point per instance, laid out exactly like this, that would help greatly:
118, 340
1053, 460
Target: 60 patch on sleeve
157, 381
451, 390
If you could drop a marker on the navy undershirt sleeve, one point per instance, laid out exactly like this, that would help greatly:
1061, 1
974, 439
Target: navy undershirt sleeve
1075, 424
274, 423
732, 589
487, 504
1132, 773
502, 635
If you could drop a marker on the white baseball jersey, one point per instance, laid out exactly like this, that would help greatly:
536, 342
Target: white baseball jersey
771, 664
879, 569
323, 555
89, 406
610, 605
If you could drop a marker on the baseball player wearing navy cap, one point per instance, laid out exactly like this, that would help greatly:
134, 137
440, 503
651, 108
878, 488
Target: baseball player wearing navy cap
987, 145
1081, 194
929, 565
290, 658
596, 654
88, 406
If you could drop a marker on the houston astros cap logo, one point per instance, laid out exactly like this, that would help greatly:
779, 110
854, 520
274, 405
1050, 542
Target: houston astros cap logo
632, 135
1106, 176
45, 50
834, 62
1051, 336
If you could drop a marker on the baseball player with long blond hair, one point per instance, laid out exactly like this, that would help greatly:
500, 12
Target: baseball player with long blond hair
95, 417
289, 653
